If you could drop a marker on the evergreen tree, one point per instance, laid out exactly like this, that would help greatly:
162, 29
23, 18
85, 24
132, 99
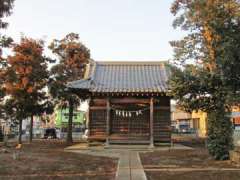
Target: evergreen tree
5, 10
209, 58
73, 57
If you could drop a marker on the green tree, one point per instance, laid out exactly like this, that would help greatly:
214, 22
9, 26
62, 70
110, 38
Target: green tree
5, 10
73, 57
208, 78
25, 80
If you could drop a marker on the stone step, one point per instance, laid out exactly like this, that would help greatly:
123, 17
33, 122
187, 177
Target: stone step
125, 147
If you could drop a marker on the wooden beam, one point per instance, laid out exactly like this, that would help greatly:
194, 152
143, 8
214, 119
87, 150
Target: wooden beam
129, 100
151, 123
97, 107
162, 107
108, 122
100, 102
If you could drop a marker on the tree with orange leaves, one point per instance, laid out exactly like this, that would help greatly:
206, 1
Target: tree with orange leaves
73, 57
209, 79
25, 78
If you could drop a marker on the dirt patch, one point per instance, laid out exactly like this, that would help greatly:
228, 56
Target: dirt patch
209, 175
175, 164
182, 158
189, 140
46, 159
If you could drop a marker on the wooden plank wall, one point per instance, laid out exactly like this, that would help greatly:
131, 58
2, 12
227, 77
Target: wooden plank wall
162, 120
97, 118
97, 122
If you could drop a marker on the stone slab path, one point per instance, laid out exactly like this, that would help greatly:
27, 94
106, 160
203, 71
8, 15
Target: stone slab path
130, 166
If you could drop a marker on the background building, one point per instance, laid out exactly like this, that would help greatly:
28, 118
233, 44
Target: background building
61, 120
192, 123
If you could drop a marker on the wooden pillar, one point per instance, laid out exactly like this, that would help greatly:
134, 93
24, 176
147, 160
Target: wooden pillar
88, 115
108, 122
151, 123
87, 132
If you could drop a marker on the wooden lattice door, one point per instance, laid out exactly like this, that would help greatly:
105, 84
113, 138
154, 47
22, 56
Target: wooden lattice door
130, 125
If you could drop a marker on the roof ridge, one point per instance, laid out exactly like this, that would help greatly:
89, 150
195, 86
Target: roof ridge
131, 62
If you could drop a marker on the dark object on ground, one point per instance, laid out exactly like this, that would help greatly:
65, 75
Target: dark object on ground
1, 136
50, 133
4, 150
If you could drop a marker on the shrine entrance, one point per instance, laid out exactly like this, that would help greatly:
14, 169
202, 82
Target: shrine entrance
131, 124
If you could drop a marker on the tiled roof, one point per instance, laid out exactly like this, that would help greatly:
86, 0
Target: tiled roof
132, 77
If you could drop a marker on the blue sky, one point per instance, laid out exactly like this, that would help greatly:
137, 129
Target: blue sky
112, 29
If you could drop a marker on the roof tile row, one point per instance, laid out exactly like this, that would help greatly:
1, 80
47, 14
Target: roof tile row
116, 77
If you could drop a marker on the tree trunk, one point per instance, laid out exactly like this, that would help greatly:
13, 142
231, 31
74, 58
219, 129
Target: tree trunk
20, 132
70, 118
220, 133
31, 130
5, 138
